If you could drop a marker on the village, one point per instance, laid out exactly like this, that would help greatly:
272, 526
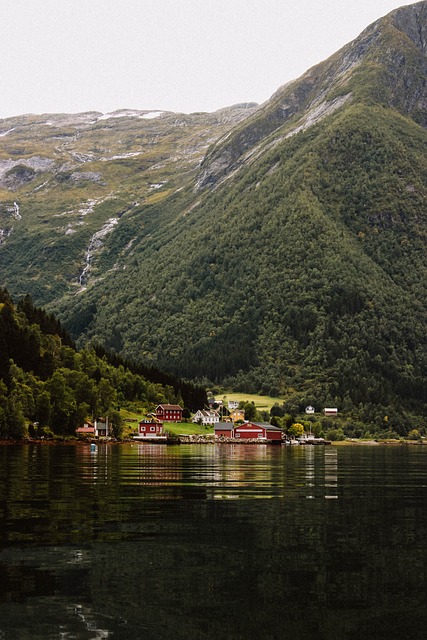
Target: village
223, 424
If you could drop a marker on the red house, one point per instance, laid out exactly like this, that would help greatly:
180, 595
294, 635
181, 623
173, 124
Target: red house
101, 428
150, 429
249, 430
330, 411
169, 413
87, 429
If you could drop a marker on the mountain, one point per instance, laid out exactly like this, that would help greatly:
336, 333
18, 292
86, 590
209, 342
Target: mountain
67, 180
279, 248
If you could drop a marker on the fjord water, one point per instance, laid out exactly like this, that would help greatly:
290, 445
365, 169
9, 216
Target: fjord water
212, 541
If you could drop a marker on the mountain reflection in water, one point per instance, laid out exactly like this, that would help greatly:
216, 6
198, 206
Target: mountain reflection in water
212, 541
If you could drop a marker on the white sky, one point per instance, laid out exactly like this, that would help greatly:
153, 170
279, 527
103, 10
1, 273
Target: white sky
178, 55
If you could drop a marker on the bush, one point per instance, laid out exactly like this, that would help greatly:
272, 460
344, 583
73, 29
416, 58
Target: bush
335, 435
296, 430
414, 434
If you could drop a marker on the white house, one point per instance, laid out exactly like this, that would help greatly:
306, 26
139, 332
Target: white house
103, 427
233, 404
203, 416
309, 409
100, 428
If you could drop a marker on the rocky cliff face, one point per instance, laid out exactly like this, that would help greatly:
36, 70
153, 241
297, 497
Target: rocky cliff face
411, 21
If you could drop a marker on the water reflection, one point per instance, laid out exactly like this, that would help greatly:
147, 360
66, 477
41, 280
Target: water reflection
331, 472
150, 541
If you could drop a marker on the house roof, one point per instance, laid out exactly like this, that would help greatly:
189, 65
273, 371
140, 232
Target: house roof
224, 426
266, 425
170, 407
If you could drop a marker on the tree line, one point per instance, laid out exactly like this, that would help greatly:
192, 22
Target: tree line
48, 384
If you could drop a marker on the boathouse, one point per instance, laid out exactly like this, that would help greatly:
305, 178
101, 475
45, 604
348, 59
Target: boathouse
224, 429
249, 430
260, 430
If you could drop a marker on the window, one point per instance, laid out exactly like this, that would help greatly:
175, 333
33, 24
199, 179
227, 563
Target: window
152, 428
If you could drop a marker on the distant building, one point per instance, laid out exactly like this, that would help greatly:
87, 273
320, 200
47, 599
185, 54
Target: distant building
103, 428
236, 415
213, 403
233, 404
204, 416
257, 430
169, 413
249, 430
150, 430
86, 429
100, 428
309, 409
330, 411
224, 429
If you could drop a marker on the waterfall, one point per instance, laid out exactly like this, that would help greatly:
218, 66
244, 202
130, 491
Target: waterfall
16, 214
94, 245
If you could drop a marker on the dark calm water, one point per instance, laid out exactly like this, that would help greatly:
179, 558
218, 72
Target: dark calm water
198, 542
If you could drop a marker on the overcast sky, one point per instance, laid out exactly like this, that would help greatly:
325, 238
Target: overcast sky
177, 55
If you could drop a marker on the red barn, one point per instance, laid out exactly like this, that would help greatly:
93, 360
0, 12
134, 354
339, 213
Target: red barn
249, 430
169, 413
260, 430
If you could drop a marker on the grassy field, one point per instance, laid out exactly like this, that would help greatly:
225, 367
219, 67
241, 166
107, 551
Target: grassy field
187, 428
261, 402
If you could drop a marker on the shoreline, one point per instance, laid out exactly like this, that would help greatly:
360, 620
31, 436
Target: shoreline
204, 439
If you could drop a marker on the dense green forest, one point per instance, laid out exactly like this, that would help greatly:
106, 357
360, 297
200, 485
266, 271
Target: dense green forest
308, 282
49, 385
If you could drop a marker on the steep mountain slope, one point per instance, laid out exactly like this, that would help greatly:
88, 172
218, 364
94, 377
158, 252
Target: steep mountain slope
295, 261
386, 64
66, 182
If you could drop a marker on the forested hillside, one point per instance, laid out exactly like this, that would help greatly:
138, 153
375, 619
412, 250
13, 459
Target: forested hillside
291, 261
47, 384
291, 281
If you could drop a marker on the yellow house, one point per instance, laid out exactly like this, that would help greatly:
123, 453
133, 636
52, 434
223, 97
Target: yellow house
237, 414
